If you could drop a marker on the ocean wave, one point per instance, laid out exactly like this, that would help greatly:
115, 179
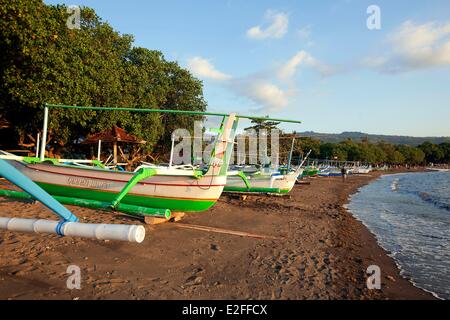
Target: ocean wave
425, 196
394, 185
408, 216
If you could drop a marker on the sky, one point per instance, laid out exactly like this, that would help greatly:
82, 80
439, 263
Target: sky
380, 67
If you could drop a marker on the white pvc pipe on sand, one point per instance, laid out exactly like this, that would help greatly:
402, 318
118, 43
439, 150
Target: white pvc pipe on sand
121, 232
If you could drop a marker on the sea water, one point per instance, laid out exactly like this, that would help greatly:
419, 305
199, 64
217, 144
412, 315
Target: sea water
410, 216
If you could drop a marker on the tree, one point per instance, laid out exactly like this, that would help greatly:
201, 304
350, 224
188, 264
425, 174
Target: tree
353, 150
333, 151
413, 156
261, 124
43, 61
397, 158
445, 147
379, 155
392, 156
433, 152
307, 143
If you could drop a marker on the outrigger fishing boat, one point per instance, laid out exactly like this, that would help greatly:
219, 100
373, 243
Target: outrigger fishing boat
330, 171
148, 191
261, 182
361, 169
279, 181
310, 171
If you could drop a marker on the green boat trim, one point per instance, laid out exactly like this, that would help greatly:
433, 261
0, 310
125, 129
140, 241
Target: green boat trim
255, 190
307, 172
244, 178
175, 204
93, 204
54, 161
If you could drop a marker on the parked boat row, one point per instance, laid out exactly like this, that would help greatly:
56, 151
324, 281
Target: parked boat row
150, 190
159, 190
324, 169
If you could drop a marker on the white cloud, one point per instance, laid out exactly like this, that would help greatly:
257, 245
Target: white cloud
278, 27
273, 95
415, 46
202, 68
257, 88
288, 70
270, 90
264, 93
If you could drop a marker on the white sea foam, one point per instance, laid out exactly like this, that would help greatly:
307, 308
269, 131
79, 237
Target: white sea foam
394, 185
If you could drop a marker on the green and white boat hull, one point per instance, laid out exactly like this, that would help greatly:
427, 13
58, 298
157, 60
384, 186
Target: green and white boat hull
261, 183
168, 189
174, 192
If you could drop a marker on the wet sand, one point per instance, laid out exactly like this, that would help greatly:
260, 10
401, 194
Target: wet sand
321, 252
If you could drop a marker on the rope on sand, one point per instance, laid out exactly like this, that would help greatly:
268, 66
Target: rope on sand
225, 231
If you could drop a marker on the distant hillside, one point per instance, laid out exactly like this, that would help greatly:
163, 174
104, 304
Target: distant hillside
357, 136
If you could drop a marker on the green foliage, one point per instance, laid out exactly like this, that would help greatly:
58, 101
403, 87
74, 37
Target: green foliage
333, 151
260, 124
412, 155
435, 153
445, 147
379, 153
44, 61
307, 144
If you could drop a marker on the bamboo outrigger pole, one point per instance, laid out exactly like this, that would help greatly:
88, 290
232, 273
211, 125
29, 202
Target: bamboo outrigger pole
186, 112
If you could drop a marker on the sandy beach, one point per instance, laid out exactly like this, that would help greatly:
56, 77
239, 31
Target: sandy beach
310, 248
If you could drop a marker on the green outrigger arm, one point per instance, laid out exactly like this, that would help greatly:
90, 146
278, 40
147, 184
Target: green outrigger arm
254, 190
142, 174
249, 188
133, 210
244, 178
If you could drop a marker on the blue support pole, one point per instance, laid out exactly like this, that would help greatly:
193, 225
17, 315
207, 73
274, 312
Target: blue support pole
16, 177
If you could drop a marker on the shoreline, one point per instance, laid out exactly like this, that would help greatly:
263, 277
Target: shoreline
394, 284
323, 253
389, 254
